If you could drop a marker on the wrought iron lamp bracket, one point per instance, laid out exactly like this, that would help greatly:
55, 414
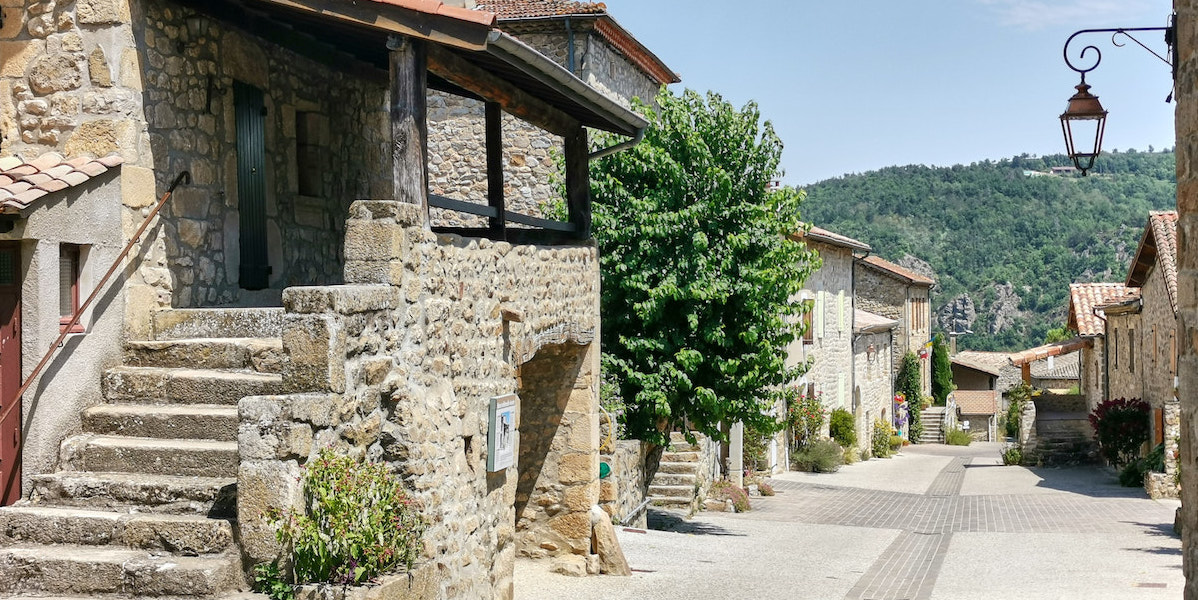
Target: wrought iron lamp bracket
1117, 39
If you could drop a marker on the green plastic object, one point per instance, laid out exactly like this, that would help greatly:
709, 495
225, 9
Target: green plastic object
604, 470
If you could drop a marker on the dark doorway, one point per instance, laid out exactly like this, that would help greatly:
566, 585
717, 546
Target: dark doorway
251, 185
10, 370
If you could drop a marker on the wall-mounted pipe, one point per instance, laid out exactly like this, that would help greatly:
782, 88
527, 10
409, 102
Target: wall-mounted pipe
622, 146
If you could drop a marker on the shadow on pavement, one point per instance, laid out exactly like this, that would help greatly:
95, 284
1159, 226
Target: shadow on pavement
1093, 481
664, 520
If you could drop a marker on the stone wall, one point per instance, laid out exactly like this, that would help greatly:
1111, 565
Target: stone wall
873, 390
884, 295
831, 291
1093, 373
1187, 278
632, 463
1159, 324
398, 365
1125, 359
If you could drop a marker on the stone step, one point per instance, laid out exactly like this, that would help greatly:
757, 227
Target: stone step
678, 443
186, 386
668, 501
189, 421
672, 491
185, 323
264, 355
201, 458
166, 494
678, 467
183, 534
88, 570
691, 457
686, 479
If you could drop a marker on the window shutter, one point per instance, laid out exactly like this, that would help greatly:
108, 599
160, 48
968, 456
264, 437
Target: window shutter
840, 310
819, 314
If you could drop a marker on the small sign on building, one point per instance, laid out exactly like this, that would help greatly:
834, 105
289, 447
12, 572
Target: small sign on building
501, 433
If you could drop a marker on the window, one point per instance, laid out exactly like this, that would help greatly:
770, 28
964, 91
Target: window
68, 286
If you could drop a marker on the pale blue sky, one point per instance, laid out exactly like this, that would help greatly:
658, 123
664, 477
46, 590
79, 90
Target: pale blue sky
855, 85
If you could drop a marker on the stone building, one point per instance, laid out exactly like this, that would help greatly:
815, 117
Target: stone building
979, 410
584, 39
873, 383
903, 295
1086, 317
291, 294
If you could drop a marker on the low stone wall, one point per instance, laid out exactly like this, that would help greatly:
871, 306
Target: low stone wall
399, 366
1161, 485
625, 490
1060, 403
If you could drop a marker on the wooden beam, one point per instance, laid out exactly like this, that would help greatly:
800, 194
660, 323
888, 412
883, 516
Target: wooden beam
578, 182
460, 72
409, 121
399, 20
494, 116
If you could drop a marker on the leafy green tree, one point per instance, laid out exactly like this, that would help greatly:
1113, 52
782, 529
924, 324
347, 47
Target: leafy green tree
942, 372
698, 269
1059, 334
907, 383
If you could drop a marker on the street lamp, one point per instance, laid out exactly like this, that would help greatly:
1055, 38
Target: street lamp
1084, 119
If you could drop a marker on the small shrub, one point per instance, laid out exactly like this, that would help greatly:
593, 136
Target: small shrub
879, 441
1155, 460
358, 523
824, 456
765, 489
1016, 397
843, 428
268, 579
1120, 428
851, 456
1012, 456
725, 490
896, 442
804, 416
957, 437
1132, 474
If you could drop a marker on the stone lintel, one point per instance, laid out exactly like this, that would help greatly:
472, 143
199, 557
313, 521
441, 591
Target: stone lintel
340, 299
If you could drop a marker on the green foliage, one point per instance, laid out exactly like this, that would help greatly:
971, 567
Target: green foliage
1120, 427
725, 490
805, 417
755, 444
1012, 456
987, 224
1016, 397
1132, 474
942, 372
1059, 334
765, 489
843, 428
357, 523
698, 273
896, 442
879, 441
268, 579
822, 456
957, 437
907, 383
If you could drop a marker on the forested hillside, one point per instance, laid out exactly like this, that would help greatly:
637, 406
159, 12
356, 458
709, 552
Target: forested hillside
1002, 239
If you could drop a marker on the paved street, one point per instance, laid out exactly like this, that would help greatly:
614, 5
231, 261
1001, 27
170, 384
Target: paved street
936, 522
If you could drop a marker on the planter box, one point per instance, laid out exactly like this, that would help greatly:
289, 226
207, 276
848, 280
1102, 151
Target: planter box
418, 584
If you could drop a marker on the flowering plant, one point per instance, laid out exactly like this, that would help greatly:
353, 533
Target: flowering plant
804, 416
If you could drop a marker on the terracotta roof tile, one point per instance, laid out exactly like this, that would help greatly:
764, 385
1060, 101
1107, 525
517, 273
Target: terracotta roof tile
896, 270
867, 322
1084, 300
1047, 350
23, 182
436, 7
977, 402
1164, 229
526, 9
986, 362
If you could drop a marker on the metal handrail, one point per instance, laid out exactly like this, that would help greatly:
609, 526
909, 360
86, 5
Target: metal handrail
184, 177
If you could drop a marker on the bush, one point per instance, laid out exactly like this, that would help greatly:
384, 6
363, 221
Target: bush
957, 437
804, 416
725, 490
358, 523
1132, 474
1016, 397
908, 384
880, 440
843, 428
823, 456
765, 489
1120, 428
896, 442
851, 456
1012, 456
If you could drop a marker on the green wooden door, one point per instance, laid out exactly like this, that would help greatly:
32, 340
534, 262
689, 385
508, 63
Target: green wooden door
251, 185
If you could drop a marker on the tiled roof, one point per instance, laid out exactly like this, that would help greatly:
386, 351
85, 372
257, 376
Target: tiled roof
21, 182
867, 322
1065, 366
977, 402
897, 271
1054, 349
986, 362
820, 234
436, 7
1084, 298
527, 9
1158, 246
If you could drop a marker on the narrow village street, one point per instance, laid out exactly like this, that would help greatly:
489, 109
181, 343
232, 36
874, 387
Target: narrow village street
936, 522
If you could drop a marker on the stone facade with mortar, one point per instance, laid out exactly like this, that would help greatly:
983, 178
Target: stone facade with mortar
830, 290
1125, 357
623, 492
1159, 324
883, 294
873, 388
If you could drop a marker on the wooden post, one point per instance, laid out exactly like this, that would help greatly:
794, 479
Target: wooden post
495, 168
578, 181
1026, 371
409, 121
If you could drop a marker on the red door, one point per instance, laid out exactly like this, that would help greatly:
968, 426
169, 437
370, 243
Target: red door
10, 370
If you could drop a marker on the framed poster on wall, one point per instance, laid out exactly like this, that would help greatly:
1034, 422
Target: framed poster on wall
501, 433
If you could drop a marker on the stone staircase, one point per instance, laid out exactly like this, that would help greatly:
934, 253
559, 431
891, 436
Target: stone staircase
144, 499
932, 419
1064, 439
679, 477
